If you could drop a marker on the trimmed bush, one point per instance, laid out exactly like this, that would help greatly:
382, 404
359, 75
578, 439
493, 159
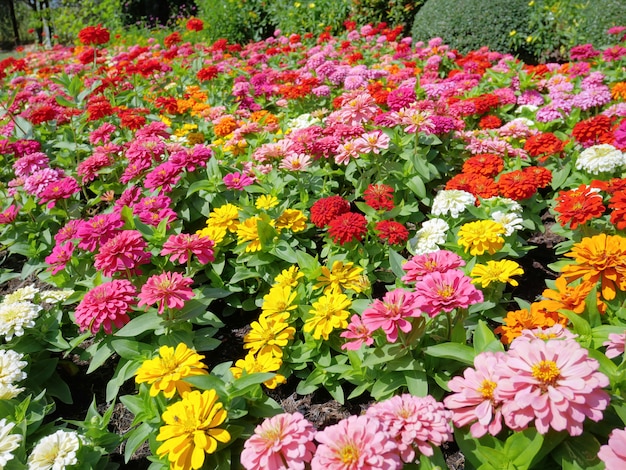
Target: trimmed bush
597, 18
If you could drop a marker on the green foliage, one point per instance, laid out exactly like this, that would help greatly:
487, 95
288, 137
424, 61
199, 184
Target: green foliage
239, 21
308, 17
392, 12
73, 15
596, 19
23, 15
470, 24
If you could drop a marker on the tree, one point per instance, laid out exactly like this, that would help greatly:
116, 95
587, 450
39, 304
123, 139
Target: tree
16, 29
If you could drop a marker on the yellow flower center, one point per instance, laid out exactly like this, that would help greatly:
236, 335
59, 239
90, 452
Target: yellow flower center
486, 388
546, 371
445, 291
271, 435
349, 454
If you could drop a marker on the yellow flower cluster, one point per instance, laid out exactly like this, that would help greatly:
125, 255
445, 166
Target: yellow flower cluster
222, 220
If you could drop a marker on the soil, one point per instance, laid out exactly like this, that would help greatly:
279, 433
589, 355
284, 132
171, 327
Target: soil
319, 407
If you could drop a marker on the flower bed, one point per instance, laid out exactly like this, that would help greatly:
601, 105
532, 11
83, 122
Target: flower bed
359, 211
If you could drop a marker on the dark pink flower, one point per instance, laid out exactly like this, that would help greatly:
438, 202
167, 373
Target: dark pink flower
61, 254
164, 176
181, 247
282, 442
8, 215
237, 181
392, 313
98, 230
29, 164
421, 265
61, 189
106, 305
438, 292
169, 289
123, 253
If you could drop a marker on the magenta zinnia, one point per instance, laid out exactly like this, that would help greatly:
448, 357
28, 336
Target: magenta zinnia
181, 247
169, 289
124, 252
106, 305
438, 261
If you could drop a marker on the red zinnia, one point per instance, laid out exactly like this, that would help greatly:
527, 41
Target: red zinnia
486, 164
618, 204
544, 144
195, 24
476, 184
326, 209
541, 176
517, 185
578, 206
172, 39
207, 73
392, 232
169, 289
98, 107
94, 35
490, 122
592, 131
106, 305
379, 197
347, 227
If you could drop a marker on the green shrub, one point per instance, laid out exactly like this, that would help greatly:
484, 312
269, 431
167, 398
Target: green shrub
470, 24
392, 12
239, 21
308, 16
597, 18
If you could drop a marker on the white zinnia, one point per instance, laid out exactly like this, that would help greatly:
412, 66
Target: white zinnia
55, 452
16, 316
8, 443
452, 201
302, 122
21, 295
428, 238
11, 367
511, 221
603, 158
49, 296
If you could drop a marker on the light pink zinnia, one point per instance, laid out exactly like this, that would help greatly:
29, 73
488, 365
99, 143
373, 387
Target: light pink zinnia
169, 289
392, 313
358, 333
473, 400
552, 382
413, 422
356, 443
614, 453
615, 345
438, 292
438, 261
124, 252
283, 442
106, 305
181, 247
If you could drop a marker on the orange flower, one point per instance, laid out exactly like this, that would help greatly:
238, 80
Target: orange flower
618, 91
599, 258
519, 320
225, 126
568, 297
578, 206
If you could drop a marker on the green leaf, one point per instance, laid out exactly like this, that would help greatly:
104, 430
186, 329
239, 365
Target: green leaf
395, 262
386, 384
579, 453
135, 438
148, 321
100, 352
416, 185
416, 382
308, 264
485, 339
208, 382
522, 447
458, 352
248, 382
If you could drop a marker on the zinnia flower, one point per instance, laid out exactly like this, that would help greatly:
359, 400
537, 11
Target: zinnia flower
11, 372
326, 209
237, 181
473, 399
280, 299
421, 265
480, 236
56, 451
392, 232
263, 361
339, 277
224, 216
578, 206
358, 333
452, 201
358, 442
94, 35
379, 197
552, 382
270, 331
168, 289
191, 430
248, 231
613, 454
615, 345
282, 442
181, 247
124, 252
603, 158
347, 227
392, 313
16, 316
166, 372
328, 313
291, 219
106, 305
8, 442
432, 234
438, 292
496, 271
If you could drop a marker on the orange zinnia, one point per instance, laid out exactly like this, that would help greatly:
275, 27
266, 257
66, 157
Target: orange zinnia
568, 297
519, 320
599, 258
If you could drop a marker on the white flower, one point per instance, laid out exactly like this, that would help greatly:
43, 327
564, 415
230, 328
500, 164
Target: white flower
49, 296
302, 122
603, 158
21, 295
452, 201
11, 367
428, 238
9, 391
16, 316
511, 221
8, 443
55, 452
496, 201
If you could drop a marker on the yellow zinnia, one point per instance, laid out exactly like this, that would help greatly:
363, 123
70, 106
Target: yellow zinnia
328, 313
280, 299
288, 277
496, 271
166, 372
266, 202
191, 430
226, 216
341, 276
216, 234
248, 231
481, 236
263, 361
272, 332
291, 219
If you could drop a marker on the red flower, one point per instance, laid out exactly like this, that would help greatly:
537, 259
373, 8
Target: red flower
379, 197
42, 113
207, 73
169, 289
489, 122
94, 35
544, 144
578, 206
541, 176
98, 107
172, 39
517, 185
347, 227
595, 130
474, 183
132, 118
195, 24
392, 232
486, 164
326, 209
618, 204
122, 253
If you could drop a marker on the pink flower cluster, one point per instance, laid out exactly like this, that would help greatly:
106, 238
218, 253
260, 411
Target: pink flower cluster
390, 433
552, 384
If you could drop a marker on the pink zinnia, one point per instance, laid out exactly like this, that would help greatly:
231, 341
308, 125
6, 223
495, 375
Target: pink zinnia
438, 292
106, 305
169, 289
473, 400
29, 164
358, 333
554, 383
237, 181
614, 453
439, 261
181, 247
392, 313
61, 189
615, 345
98, 230
8, 215
124, 252
413, 422
61, 254
282, 442
356, 443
